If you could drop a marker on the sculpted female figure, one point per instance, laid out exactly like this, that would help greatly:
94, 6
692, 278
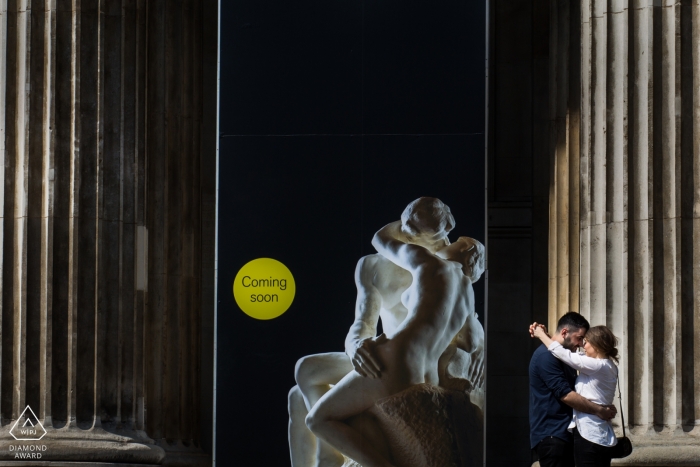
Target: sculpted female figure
440, 301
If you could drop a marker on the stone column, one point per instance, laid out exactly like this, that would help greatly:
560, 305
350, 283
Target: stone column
101, 229
564, 147
640, 212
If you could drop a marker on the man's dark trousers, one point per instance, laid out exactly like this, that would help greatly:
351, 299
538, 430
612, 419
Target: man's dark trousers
555, 452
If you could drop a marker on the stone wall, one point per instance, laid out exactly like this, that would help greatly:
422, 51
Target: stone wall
638, 161
107, 220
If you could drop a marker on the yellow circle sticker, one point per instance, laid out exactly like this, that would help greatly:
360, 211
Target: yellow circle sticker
264, 288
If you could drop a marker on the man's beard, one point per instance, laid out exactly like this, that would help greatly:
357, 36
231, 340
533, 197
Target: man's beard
568, 345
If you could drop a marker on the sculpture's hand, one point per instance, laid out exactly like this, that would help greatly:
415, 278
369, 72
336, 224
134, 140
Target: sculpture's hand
364, 358
607, 412
476, 367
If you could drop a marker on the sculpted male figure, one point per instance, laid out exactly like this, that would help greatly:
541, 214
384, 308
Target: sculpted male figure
380, 284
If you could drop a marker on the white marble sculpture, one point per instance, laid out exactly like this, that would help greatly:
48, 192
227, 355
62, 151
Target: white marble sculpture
383, 291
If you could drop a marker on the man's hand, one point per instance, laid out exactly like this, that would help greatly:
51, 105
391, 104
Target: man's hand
607, 412
364, 358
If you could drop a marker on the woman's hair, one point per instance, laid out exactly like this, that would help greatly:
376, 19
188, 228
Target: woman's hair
604, 341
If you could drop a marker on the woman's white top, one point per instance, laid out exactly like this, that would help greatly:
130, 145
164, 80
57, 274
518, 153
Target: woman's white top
596, 382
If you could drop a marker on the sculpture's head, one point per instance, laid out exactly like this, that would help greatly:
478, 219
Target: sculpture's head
468, 252
426, 222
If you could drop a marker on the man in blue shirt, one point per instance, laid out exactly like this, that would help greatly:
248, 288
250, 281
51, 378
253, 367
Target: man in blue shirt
552, 396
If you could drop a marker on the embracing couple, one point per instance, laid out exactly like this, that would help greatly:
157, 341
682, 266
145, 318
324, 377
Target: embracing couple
420, 285
569, 414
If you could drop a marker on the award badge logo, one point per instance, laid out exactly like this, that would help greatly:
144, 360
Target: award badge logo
28, 427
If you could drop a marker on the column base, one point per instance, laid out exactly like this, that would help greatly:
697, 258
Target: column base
72, 445
666, 448
67, 464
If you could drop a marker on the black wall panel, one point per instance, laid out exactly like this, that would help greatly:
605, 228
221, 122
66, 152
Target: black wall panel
334, 116
518, 217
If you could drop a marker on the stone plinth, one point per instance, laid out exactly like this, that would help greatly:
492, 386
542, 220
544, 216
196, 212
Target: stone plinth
92, 445
426, 426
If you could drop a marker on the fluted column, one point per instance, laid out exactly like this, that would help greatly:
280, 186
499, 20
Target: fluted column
565, 160
639, 229
640, 224
101, 227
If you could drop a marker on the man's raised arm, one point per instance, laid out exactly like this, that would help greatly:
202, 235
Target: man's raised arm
359, 343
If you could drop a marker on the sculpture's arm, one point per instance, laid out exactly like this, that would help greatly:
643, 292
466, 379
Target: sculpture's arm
390, 242
359, 343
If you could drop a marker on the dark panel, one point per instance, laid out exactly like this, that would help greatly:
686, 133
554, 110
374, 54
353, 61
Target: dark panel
291, 67
285, 198
510, 312
515, 406
507, 429
518, 214
512, 105
288, 199
314, 200
540, 161
423, 67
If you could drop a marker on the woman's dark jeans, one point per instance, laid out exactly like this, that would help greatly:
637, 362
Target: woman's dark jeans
589, 454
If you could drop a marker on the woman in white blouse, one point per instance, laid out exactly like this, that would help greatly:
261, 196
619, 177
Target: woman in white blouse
597, 379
